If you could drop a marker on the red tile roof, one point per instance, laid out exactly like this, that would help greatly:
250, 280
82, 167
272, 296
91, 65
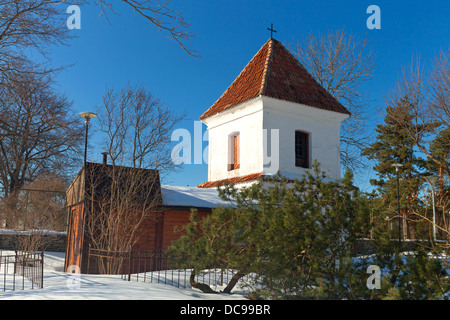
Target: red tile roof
274, 72
247, 178
242, 179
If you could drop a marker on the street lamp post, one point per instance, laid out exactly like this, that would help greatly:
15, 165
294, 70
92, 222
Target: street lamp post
397, 167
432, 181
87, 117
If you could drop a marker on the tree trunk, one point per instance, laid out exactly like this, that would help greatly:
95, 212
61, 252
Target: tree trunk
203, 287
233, 281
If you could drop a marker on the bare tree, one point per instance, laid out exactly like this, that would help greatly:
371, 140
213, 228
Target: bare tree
428, 93
27, 26
342, 63
37, 25
40, 213
39, 135
137, 127
429, 104
440, 87
123, 196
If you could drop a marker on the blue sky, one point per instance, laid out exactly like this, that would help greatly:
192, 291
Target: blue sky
228, 34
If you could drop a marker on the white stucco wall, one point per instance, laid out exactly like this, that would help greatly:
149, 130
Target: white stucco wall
324, 134
251, 118
247, 119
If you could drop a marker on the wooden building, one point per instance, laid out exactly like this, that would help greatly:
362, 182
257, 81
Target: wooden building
171, 208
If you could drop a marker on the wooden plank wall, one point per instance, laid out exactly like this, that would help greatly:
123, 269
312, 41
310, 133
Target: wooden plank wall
74, 236
176, 218
157, 232
148, 231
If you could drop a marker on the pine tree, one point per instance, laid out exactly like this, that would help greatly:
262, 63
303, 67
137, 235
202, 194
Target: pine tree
296, 239
418, 274
394, 145
439, 147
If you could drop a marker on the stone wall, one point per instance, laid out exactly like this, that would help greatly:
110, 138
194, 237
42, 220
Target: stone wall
57, 243
366, 246
53, 242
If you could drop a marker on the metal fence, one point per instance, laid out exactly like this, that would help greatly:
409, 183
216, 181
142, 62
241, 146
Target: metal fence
153, 266
22, 270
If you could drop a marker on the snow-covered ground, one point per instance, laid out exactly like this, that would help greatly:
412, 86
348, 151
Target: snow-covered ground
59, 285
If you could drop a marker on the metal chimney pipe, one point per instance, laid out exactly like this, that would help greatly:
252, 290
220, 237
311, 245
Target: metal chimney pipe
105, 157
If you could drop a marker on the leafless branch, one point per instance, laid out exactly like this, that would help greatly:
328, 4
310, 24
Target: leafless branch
137, 128
158, 13
28, 26
38, 133
342, 64
428, 104
119, 200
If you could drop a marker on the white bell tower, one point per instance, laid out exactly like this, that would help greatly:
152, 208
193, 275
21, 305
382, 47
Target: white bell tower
274, 117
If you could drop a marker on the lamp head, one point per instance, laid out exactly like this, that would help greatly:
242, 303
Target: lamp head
432, 180
397, 166
87, 116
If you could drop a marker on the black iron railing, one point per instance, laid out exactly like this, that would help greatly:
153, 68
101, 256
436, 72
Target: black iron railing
21, 270
153, 266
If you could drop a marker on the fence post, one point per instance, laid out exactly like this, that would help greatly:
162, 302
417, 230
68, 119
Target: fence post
15, 270
42, 269
129, 265
15, 261
89, 259
23, 272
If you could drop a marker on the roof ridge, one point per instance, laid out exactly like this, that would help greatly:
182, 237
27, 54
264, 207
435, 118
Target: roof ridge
275, 72
266, 67
247, 66
320, 86
326, 100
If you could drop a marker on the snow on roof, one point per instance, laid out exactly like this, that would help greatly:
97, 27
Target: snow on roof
191, 197
196, 197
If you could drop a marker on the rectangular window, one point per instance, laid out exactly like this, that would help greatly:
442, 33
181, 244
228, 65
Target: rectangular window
301, 149
235, 153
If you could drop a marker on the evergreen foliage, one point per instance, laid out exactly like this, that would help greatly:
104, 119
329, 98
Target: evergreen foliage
296, 238
395, 143
417, 274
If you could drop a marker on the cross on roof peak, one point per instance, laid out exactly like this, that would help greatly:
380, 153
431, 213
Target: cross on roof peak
271, 30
